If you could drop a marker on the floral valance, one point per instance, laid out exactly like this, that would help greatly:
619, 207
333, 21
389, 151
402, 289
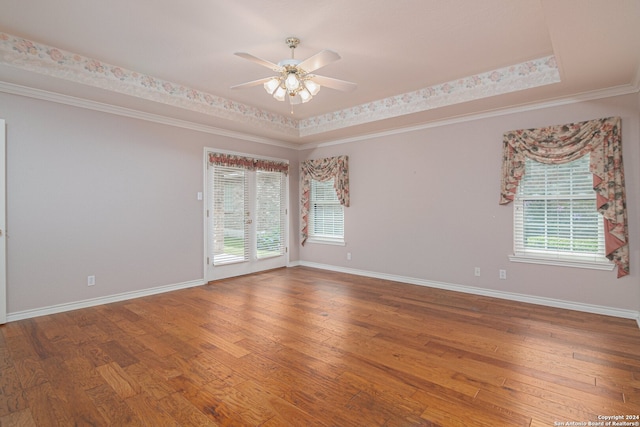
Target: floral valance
249, 163
323, 170
601, 138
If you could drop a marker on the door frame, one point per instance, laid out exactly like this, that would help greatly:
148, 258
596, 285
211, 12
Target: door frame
205, 219
3, 221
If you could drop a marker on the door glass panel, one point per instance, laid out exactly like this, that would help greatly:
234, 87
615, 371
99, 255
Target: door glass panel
230, 215
269, 214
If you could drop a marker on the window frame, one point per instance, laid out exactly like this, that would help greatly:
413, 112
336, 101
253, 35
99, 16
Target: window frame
549, 257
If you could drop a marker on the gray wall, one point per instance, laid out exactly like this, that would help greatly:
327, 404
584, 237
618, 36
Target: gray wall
95, 193
90, 193
424, 204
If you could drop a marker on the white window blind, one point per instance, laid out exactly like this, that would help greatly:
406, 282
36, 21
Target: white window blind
230, 223
326, 214
555, 214
270, 223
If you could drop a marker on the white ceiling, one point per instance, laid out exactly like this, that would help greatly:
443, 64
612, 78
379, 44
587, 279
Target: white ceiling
415, 61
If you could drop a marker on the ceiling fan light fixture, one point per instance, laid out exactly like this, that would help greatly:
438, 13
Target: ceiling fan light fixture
305, 95
280, 93
271, 85
312, 87
291, 82
294, 99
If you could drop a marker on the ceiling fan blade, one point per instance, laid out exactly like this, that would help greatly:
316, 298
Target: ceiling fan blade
252, 83
259, 61
319, 60
337, 84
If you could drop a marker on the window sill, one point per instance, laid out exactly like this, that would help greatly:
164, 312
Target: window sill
326, 241
563, 262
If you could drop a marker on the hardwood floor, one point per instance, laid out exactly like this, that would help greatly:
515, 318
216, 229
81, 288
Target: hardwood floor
307, 347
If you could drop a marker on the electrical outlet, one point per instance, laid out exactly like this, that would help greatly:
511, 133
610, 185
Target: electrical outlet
503, 274
91, 280
348, 256
477, 272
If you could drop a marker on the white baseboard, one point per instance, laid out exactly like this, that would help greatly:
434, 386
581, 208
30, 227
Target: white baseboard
550, 302
569, 305
59, 308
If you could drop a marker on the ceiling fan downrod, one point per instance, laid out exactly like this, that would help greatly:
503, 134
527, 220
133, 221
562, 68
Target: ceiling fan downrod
292, 42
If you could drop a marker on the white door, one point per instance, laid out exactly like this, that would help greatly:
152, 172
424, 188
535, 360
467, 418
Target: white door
3, 232
246, 221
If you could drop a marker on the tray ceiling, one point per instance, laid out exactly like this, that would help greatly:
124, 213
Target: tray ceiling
415, 62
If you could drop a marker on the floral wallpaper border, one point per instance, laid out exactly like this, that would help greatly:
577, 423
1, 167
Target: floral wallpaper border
39, 58
530, 74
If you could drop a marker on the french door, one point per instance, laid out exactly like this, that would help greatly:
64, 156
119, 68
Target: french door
246, 220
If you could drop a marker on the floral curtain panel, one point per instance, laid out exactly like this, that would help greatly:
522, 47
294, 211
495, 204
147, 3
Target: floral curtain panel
564, 143
248, 163
323, 170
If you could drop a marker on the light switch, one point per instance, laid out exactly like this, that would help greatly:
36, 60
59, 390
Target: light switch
199, 195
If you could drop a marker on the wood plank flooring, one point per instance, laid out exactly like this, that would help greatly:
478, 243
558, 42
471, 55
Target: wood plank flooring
305, 347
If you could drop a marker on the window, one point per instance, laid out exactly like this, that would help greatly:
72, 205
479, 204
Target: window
555, 216
326, 214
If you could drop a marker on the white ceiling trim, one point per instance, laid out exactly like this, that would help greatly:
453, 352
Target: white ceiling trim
42, 59
526, 75
155, 118
136, 114
50, 61
573, 99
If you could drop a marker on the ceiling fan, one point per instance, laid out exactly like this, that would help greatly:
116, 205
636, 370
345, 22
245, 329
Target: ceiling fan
294, 79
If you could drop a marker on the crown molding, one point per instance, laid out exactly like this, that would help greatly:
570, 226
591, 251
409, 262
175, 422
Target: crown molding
27, 55
573, 99
44, 95
526, 75
50, 61
14, 89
